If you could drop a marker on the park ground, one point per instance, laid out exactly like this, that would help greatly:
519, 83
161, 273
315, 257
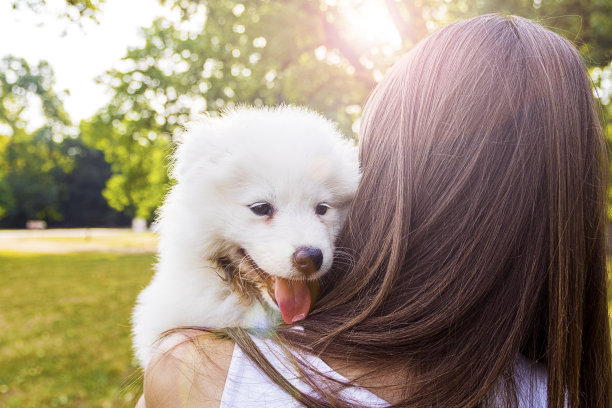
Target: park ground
66, 298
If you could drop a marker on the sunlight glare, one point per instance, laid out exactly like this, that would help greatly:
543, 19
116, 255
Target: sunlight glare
370, 21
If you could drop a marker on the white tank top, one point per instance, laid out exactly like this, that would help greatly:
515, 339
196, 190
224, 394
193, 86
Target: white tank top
248, 387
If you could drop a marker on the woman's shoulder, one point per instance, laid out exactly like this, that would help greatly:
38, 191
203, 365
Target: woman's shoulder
189, 369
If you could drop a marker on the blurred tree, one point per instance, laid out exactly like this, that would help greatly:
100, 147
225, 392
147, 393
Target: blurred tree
212, 58
209, 56
26, 95
34, 165
137, 157
46, 172
212, 55
74, 9
32, 122
7, 203
81, 202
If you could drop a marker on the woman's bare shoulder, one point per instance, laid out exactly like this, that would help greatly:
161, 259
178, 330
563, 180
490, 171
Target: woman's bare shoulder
188, 370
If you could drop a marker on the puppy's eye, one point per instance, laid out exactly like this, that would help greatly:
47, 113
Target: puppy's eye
262, 209
322, 208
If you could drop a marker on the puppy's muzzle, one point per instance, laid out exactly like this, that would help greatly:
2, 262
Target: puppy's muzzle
307, 260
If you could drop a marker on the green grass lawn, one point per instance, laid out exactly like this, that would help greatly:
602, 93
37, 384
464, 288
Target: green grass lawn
65, 329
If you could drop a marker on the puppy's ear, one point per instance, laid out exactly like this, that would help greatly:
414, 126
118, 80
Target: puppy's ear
197, 146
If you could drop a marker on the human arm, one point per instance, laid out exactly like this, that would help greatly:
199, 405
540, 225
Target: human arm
189, 369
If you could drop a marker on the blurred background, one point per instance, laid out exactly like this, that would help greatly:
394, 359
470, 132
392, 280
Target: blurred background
91, 92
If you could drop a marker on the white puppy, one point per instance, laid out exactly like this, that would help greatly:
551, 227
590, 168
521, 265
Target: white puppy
250, 224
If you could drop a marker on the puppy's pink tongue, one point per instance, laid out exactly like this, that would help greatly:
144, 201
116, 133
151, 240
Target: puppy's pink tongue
293, 299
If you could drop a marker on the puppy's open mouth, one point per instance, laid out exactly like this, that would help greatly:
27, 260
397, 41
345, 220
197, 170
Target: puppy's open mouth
295, 298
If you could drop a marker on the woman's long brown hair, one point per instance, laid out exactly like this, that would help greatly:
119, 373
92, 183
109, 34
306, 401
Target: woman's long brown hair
477, 232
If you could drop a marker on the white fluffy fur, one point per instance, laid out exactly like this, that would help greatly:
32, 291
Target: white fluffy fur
288, 156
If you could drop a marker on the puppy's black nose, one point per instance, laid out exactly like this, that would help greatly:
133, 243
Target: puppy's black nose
307, 260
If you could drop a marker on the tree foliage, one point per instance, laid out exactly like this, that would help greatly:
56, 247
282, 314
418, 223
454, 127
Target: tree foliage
235, 53
207, 56
32, 160
74, 10
137, 157
81, 201
43, 163
210, 56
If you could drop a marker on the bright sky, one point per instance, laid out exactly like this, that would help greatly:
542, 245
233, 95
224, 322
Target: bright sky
77, 54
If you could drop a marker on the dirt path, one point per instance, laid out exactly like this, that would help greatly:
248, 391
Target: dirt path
77, 240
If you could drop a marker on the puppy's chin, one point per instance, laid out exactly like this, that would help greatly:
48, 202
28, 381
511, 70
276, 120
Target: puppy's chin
243, 276
294, 297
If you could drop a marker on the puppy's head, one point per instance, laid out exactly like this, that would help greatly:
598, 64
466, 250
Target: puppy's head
265, 192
